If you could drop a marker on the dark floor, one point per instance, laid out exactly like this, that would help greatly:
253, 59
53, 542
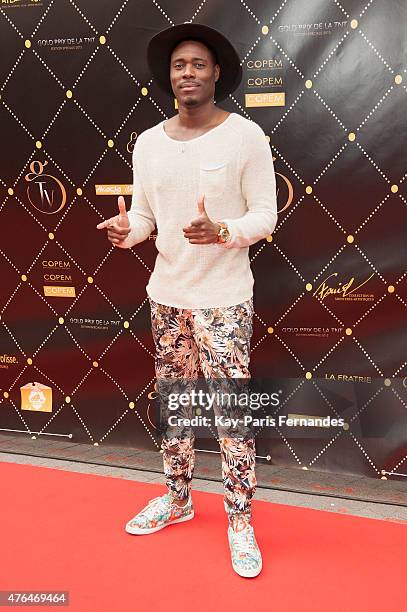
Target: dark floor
372, 510
208, 468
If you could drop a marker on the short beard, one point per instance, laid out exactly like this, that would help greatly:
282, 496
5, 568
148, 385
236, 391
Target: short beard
191, 102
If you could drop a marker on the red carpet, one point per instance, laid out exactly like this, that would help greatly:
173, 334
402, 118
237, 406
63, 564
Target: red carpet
65, 531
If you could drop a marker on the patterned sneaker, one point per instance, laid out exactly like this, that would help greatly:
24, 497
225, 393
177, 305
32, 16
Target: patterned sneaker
246, 555
159, 513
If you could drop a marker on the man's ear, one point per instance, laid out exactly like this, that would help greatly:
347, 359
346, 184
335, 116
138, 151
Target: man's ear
217, 72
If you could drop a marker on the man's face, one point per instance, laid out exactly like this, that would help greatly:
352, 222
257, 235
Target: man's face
193, 73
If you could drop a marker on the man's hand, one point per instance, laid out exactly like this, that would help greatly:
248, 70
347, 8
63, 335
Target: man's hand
118, 227
202, 230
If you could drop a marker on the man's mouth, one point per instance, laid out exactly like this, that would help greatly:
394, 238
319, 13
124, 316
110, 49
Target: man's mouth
189, 86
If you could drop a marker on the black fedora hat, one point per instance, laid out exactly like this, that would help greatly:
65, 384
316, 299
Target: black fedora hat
162, 44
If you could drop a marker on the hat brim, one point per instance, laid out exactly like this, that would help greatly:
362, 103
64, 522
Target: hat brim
162, 44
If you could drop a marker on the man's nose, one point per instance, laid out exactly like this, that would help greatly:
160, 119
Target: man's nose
189, 70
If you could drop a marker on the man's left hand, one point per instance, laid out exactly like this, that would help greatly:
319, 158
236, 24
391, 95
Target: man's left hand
202, 230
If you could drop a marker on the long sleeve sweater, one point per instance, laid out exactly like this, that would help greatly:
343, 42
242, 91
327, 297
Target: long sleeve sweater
232, 166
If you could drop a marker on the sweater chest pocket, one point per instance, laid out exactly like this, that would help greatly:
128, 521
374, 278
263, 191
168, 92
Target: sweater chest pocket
212, 178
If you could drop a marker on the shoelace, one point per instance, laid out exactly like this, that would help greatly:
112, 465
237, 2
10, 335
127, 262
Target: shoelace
243, 540
151, 507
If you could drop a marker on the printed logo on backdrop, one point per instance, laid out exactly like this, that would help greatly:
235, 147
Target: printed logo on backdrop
253, 100
338, 291
259, 75
321, 28
36, 397
152, 396
72, 43
132, 142
287, 190
353, 378
87, 322
117, 189
343, 291
312, 332
113, 190
45, 192
254, 79
20, 3
7, 360
57, 277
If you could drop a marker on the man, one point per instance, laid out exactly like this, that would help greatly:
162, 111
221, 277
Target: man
205, 179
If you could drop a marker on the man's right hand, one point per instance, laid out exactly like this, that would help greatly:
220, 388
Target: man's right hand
118, 227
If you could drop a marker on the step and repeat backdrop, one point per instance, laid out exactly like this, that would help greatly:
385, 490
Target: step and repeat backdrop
326, 80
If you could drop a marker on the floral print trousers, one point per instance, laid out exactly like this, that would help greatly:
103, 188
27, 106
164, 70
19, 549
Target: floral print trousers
215, 343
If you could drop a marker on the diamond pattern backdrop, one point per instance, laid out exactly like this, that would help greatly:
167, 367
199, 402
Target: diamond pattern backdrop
326, 80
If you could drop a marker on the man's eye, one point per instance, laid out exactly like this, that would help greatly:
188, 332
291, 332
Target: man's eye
200, 65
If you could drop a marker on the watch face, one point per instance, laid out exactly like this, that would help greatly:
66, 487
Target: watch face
224, 234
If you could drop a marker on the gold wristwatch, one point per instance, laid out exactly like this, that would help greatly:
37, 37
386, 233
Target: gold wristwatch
223, 234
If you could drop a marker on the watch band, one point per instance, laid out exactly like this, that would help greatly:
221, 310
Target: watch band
223, 234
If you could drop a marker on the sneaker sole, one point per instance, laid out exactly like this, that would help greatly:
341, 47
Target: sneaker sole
140, 531
248, 573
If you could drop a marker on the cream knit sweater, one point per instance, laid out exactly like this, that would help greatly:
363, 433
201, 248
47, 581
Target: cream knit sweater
232, 166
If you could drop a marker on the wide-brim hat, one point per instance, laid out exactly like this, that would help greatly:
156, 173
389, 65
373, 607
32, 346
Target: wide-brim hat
162, 44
